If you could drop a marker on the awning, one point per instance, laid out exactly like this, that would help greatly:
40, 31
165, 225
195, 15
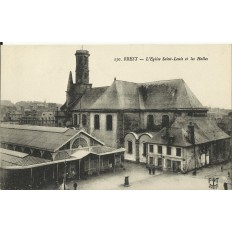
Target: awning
79, 154
104, 150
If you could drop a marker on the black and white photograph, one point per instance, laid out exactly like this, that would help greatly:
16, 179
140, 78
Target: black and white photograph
125, 104
116, 117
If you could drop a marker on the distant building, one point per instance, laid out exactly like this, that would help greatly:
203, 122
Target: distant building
15, 116
47, 115
225, 123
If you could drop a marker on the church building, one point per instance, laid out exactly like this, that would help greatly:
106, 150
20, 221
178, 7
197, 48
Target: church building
111, 113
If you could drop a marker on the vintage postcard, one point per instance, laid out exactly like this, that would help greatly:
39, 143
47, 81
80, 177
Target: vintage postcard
118, 117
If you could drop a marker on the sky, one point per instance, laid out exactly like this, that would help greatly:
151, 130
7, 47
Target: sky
40, 72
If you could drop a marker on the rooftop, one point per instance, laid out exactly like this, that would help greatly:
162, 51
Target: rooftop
121, 95
206, 130
40, 137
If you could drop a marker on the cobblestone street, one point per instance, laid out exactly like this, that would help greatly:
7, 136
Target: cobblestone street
140, 179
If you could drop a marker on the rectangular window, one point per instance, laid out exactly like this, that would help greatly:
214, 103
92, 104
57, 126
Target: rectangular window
169, 150
96, 122
151, 160
178, 151
151, 148
160, 151
109, 122
130, 147
144, 149
160, 162
169, 164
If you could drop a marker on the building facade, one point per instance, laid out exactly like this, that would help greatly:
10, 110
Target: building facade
187, 144
111, 112
37, 154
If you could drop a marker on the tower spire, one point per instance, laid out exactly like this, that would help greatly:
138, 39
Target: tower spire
70, 82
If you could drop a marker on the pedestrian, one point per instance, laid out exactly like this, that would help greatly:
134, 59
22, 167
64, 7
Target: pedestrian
149, 168
228, 174
75, 186
153, 170
221, 168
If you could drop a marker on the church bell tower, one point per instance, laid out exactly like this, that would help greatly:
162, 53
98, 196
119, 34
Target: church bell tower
82, 67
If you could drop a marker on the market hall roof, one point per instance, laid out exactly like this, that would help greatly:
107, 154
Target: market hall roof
44, 138
18, 160
122, 95
15, 160
105, 150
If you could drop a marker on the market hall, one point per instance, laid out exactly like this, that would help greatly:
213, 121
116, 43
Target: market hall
33, 155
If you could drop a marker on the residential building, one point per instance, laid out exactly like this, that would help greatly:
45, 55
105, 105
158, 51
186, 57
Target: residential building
188, 143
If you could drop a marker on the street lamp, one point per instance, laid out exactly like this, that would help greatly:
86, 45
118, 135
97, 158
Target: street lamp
65, 164
192, 140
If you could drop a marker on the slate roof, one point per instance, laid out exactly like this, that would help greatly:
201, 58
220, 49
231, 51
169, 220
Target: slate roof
88, 99
206, 130
179, 135
44, 138
122, 95
11, 159
170, 94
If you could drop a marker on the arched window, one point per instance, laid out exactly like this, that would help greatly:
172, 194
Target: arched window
27, 150
150, 122
129, 147
47, 155
75, 119
17, 148
80, 142
109, 122
84, 119
96, 122
165, 121
36, 153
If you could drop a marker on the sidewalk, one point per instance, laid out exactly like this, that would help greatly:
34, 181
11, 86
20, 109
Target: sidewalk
139, 179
